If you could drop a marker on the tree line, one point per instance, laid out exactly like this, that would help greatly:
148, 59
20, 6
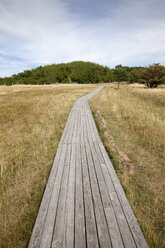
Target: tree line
87, 72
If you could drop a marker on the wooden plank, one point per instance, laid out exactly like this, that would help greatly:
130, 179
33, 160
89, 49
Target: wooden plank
93, 124
78, 136
76, 129
122, 222
103, 232
70, 128
70, 204
60, 235
59, 227
93, 137
66, 129
50, 218
91, 228
82, 124
80, 233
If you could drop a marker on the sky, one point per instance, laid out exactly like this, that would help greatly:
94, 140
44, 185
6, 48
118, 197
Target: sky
108, 32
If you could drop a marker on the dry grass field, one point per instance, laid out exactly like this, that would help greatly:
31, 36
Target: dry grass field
131, 122
32, 119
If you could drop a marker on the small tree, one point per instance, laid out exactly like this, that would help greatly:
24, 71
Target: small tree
121, 74
153, 75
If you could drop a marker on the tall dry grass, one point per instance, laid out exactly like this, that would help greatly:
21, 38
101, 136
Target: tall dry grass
131, 121
32, 119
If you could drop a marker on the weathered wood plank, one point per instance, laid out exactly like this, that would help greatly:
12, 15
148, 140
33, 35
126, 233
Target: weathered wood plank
91, 227
61, 234
71, 128
80, 233
70, 202
59, 227
93, 125
51, 214
66, 129
69, 133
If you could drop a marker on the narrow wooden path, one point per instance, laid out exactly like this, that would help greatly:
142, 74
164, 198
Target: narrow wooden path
84, 204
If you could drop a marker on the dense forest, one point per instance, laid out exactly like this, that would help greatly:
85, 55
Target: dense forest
87, 72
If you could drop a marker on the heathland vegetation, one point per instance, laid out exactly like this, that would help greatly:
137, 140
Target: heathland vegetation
87, 72
131, 122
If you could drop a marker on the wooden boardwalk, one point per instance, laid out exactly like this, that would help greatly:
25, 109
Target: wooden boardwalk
84, 204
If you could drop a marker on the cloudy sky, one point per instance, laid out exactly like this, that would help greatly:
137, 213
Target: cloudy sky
109, 32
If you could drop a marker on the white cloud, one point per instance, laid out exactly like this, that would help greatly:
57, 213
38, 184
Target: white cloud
47, 31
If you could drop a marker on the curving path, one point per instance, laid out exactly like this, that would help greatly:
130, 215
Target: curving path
84, 204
